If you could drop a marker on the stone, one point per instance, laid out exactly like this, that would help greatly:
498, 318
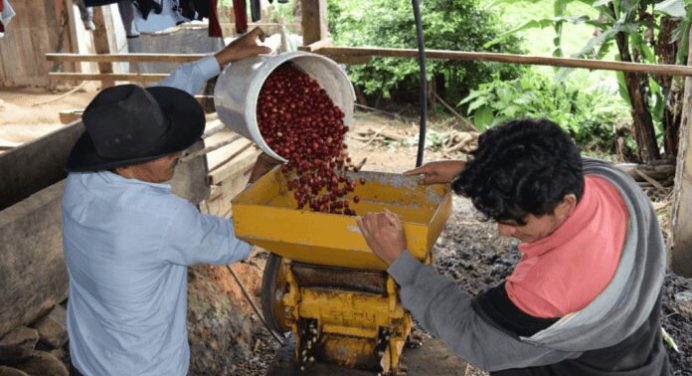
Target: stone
52, 328
683, 303
18, 344
60, 354
43, 363
9, 371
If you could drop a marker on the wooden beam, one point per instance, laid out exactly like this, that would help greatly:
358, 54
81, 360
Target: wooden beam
660, 69
128, 58
135, 77
317, 45
69, 116
101, 45
314, 21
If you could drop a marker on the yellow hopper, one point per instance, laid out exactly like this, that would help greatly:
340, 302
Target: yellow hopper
265, 215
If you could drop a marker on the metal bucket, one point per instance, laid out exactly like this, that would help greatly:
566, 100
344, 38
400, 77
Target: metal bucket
239, 84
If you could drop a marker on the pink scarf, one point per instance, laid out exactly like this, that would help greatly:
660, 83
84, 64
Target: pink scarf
563, 272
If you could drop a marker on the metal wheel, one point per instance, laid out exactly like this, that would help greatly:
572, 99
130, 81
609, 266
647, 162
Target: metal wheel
274, 286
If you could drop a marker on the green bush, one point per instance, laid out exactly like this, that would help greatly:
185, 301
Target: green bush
447, 24
589, 114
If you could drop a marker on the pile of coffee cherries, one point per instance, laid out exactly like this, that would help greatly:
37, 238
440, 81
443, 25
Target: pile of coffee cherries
300, 122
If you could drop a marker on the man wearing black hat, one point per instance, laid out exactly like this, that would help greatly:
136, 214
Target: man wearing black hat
128, 240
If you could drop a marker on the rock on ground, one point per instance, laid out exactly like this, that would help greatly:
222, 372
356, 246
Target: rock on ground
52, 328
9, 371
17, 345
42, 363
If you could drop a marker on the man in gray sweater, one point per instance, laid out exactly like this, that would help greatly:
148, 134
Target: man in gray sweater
584, 300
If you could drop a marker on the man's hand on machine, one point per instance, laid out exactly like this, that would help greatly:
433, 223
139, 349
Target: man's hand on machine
440, 172
384, 234
245, 46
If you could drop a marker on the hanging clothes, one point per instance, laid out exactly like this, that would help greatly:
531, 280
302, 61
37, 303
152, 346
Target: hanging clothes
207, 9
127, 16
214, 25
187, 10
87, 15
5, 16
149, 20
147, 6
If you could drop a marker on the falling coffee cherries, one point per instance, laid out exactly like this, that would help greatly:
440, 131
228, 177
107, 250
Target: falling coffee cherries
300, 122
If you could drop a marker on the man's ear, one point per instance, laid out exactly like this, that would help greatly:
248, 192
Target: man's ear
566, 206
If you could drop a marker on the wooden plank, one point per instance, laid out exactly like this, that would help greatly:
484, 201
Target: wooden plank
314, 21
350, 60
31, 33
226, 168
236, 174
219, 202
127, 58
660, 69
36, 165
32, 271
240, 158
681, 222
69, 116
101, 45
135, 77
218, 157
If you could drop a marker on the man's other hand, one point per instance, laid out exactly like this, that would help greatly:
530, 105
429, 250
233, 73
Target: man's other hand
440, 172
384, 234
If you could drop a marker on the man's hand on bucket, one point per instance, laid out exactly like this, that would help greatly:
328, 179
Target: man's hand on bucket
243, 47
384, 234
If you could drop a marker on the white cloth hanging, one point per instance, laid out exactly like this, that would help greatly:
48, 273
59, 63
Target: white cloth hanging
155, 22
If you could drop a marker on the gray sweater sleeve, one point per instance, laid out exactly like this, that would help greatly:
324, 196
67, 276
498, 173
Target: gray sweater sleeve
444, 309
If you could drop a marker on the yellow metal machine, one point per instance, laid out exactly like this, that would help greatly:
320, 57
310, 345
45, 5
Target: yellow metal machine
323, 283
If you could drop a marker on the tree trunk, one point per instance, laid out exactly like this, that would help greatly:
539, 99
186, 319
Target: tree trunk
667, 50
681, 221
637, 88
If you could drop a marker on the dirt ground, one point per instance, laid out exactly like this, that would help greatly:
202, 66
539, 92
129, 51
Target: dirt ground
28, 113
468, 251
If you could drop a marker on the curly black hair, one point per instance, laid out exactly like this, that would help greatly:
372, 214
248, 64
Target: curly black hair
521, 167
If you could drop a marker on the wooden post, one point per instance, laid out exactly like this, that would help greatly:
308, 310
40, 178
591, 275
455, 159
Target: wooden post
101, 44
681, 243
314, 21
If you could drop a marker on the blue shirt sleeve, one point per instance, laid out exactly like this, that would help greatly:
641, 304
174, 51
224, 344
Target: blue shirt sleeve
194, 238
191, 77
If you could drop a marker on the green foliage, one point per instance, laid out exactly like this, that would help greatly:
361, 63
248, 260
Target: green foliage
638, 21
589, 115
447, 24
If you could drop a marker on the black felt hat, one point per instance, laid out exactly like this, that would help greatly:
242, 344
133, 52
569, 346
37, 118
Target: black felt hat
128, 125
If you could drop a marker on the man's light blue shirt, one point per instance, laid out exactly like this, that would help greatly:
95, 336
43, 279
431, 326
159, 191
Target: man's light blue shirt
127, 247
